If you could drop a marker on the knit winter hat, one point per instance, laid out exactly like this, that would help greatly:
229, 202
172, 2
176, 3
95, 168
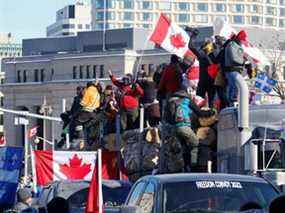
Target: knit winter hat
24, 194
242, 35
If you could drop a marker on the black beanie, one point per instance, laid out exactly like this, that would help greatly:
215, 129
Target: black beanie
24, 194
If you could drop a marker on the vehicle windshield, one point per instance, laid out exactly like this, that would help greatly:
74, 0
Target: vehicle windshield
217, 196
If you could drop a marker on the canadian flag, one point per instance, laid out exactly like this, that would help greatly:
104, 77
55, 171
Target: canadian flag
69, 165
193, 74
225, 30
171, 37
63, 165
33, 131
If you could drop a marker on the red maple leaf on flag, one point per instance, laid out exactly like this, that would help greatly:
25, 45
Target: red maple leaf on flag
75, 170
177, 41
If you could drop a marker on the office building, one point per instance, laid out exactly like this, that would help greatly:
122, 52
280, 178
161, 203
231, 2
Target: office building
144, 13
70, 20
8, 48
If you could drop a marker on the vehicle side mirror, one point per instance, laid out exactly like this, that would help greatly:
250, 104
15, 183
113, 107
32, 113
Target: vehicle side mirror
277, 205
130, 209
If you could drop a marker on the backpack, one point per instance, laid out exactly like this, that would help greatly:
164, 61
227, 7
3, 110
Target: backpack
234, 55
177, 110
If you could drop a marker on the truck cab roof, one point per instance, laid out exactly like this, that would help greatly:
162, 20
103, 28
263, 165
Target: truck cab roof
185, 177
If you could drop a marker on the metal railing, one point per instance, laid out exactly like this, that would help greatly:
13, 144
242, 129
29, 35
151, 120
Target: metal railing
261, 143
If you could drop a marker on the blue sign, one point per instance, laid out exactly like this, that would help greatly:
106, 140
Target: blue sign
11, 159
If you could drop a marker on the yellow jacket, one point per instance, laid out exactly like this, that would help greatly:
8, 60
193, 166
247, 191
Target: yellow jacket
91, 99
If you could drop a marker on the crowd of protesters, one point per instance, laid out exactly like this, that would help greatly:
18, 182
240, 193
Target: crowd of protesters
166, 94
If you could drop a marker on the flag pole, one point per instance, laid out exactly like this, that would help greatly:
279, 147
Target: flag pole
100, 181
26, 147
35, 182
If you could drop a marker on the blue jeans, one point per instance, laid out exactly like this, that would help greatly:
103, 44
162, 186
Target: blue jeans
232, 90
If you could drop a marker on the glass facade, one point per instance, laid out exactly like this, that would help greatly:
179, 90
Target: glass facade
251, 12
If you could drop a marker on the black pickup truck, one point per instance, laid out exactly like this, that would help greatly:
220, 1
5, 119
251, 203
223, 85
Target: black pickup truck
199, 193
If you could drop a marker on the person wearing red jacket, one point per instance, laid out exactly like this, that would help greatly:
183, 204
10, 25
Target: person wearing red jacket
129, 101
171, 77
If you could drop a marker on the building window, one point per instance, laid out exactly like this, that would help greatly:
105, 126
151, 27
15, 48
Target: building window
42, 75
238, 8
146, 5
254, 8
270, 10
220, 8
110, 26
238, 19
99, 4
271, 1
270, 21
202, 7
68, 26
110, 4
100, 16
110, 16
201, 18
94, 71
19, 76
164, 5
52, 74
183, 6
36, 75
128, 4
88, 71
81, 71
147, 16
147, 26
99, 26
281, 23
79, 26
74, 72
1, 120
183, 18
255, 20
1, 101
128, 16
87, 26
24, 76
282, 11
102, 71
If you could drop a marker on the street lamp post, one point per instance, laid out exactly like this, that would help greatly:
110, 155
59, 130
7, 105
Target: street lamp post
45, 110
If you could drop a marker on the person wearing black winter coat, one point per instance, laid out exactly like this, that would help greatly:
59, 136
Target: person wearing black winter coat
206, 82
